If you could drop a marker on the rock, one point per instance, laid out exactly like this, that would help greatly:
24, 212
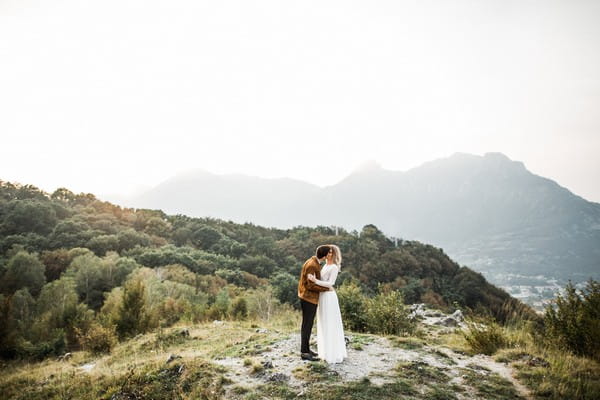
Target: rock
217, 322
419, 307
416, 311
448, 321
185, 333
261, 330
267, 364
458, 316
536, 361
172, 357
431, 313
88, 366
278, 377
65, 357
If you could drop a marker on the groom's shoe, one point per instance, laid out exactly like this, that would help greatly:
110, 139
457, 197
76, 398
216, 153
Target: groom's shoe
309, 357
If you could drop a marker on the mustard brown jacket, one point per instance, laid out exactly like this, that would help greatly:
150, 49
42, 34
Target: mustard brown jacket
308, 290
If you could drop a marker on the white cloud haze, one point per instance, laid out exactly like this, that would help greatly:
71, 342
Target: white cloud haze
105, 96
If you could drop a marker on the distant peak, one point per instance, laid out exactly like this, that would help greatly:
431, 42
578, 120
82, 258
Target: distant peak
368, 166
496, 156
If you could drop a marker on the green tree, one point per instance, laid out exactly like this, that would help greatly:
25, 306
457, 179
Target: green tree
205, 237
21, 216
58, 308
261, 266
285, 287
132, 317
8, 328
70, 233
103, 243
24, 270
22, 311
63, 194
87, 274
413, 291
129, 238
158, 227
182, 236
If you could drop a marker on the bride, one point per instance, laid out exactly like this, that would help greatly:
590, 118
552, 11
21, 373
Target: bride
330, 332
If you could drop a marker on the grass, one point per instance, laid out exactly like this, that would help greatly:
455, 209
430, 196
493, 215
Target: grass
485, 338
490, 386
364, 389
420, 372
439, 392
361, 390
358, 341
566, 377
552, 373
194, 379
456, 342
445, 358
315, 372
407, 343
137, 369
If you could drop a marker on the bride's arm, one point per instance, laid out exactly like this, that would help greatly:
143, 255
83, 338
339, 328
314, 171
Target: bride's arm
332, 277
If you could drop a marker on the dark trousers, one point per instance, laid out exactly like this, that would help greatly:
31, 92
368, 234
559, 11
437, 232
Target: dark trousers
309, 310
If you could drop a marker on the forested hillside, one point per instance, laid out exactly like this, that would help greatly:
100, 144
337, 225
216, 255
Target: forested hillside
77, 272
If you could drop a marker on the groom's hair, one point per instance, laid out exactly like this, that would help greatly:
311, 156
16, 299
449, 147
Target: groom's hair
322, 251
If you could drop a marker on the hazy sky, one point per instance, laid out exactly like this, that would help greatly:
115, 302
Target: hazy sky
107, 96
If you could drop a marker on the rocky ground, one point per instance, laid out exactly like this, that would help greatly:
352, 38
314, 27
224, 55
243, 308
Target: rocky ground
378, 359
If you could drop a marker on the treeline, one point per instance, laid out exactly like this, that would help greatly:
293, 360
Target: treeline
79, 272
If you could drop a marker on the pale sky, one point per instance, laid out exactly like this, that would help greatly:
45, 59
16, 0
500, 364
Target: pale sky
109, 96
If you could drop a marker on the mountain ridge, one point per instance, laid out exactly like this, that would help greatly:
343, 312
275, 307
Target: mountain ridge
487, 211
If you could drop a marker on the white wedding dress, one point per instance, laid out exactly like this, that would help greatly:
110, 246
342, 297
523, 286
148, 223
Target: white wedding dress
331, 344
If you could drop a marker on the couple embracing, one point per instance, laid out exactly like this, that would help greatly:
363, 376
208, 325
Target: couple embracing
317, 296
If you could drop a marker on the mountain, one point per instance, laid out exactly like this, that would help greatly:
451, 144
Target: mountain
233, 197
488, 211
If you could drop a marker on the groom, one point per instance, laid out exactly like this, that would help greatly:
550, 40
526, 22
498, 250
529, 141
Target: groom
309, 298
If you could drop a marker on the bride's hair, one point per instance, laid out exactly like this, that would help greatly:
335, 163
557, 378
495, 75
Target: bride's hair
337, 255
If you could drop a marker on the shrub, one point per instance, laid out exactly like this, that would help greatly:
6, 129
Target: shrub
172, 310
485, 338
98, 339
575, 322
262, 303
353, 307
387, 314
239, 308
53, 345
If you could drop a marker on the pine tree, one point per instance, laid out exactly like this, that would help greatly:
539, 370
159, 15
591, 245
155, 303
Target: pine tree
132, 317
